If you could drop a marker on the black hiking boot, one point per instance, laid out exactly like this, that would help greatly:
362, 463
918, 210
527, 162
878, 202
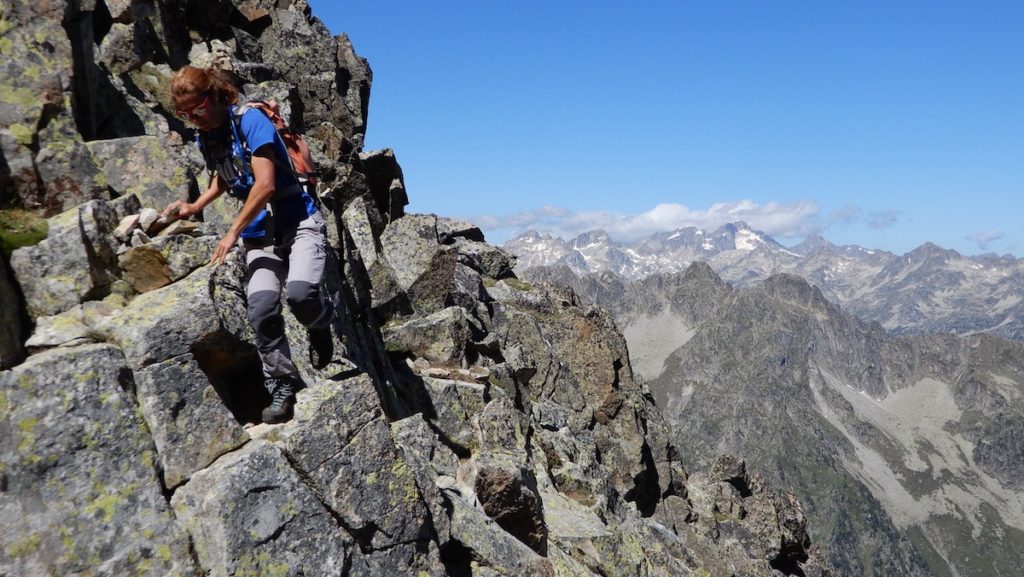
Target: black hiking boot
282, 405
321, 347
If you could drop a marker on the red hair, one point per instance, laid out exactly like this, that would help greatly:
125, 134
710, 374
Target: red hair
190, 81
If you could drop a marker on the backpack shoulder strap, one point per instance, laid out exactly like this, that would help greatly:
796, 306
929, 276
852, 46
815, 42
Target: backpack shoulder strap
235, 114
293, 143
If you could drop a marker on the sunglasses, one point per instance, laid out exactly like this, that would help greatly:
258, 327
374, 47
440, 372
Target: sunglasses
198, 111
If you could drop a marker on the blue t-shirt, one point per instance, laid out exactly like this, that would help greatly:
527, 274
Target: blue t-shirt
258, 131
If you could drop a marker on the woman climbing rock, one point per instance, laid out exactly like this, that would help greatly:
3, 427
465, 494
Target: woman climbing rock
279, 228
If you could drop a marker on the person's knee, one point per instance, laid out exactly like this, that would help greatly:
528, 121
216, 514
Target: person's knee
300, 292
305, 301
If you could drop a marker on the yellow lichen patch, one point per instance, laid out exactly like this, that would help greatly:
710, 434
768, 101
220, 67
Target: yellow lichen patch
163, 553
147, 458
260, 565
26, 425
401, 481
24, 546
22, 97
519, 285
28, 438
22, 133
108, 502
101, 179
112, 399
290, 509
33, 73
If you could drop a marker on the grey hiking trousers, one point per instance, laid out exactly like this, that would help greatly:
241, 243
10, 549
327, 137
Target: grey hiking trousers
296, 262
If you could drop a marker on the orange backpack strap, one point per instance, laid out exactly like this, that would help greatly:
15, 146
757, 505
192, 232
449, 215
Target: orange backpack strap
300, 159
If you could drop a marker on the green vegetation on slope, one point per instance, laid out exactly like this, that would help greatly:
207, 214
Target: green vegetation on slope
20, 228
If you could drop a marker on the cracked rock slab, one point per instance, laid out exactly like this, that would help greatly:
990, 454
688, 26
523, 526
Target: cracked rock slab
341, 441
76, 261
79, 493
188, 419
250, 514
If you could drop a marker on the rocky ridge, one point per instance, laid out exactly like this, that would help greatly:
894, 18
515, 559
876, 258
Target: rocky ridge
469, 424
906, 450
924, 291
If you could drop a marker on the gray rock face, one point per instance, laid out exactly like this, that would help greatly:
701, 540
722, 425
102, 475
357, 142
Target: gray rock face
433, 277
441, 338
341, 440
188, 310
251, 514
155, 170
493, 547
452, 405
413, 241
386, 181
283, 42
80, 492
83, 324
188, 419
429, 459
34, 42
502, 479
68, 174
165, 259
76, 262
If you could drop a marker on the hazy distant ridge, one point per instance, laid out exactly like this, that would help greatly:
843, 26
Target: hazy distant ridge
929, 289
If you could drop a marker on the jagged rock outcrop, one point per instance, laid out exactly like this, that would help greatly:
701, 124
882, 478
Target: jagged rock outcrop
657, 314
469, 423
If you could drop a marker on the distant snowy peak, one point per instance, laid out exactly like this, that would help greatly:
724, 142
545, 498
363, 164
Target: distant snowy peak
596, 251
928, 289
594, 238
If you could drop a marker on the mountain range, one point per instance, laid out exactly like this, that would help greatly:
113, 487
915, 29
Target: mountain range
927, 290
906, 449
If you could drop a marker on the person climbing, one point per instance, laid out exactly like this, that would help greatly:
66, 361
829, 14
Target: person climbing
281, 232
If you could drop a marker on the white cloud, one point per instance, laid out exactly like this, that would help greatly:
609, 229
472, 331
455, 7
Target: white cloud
844, 215
983, 239
793, 220
884, 219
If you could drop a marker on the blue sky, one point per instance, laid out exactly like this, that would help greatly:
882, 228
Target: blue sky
882, 124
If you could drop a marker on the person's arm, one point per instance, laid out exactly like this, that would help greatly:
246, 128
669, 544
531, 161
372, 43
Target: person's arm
183, 209
261, 193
